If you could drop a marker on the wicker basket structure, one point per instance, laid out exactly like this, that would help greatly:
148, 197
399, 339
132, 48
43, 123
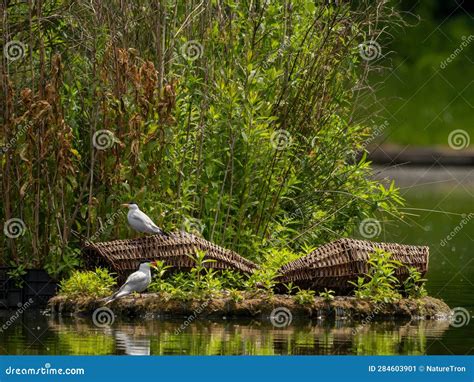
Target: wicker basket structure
124, 256
334, 264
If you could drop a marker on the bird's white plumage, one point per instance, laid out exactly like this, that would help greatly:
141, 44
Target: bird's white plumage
137, 282
140, 222
131, 344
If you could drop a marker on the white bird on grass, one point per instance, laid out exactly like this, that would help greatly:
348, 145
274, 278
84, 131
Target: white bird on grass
137, 282
140, 222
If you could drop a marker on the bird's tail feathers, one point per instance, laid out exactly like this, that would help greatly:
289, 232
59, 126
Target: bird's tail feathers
108, 300
116, 295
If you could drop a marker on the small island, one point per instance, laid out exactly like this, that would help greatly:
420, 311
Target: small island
256, 306
346, 279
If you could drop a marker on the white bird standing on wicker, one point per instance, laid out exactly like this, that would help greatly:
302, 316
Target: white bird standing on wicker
140, 222
137, 282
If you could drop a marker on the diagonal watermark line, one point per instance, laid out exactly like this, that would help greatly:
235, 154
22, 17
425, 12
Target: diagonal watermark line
442, 22
453, 277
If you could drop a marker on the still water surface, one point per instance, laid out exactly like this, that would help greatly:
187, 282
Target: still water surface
75, 336
451, 277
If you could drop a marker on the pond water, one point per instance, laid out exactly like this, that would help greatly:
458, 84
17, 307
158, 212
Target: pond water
451, 277
38, 334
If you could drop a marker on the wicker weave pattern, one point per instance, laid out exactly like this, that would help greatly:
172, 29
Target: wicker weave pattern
333, 265
124, 256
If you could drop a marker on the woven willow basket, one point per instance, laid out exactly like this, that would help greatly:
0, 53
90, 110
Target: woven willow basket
333, 265
124, 256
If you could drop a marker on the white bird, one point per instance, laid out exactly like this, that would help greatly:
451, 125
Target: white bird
131, 344
137, 282
140, 222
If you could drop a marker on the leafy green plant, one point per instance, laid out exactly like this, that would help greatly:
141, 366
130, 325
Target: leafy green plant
159, 284
264, 279
380, 283
273, 258
231, 279
17, 274
414, 284
62, 261
327, 295
305, 297
200, 270
266, 276
211, 284
290, 287
98, 283
181, 281
236, 295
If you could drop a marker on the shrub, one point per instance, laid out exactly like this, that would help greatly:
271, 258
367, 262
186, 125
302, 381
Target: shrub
290, 287
305, 297
158, 283
236, 295
414, 284
380, 283
327, 295
98, 283
231, 279
270, 262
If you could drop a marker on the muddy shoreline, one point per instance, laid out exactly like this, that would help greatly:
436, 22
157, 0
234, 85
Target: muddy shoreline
257, 307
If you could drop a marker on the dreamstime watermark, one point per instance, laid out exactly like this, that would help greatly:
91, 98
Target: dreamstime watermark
192, 225
192, 50
191, 317
370, 228
459, 317
370, 50
466, 219
281, 139
108, 222
376, 132
21, 309
44, 370
459, 139
103, 317
13, 141
14, 50
14, 228
285, 45
466, 40
281, 317
103, 139
371, 317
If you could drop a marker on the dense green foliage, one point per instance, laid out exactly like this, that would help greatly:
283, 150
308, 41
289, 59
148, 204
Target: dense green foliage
230, 119
98, 283
380, 284
304, 297
201, 282
327, 294
414, 284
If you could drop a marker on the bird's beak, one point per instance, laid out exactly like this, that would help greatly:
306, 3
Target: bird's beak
124, 205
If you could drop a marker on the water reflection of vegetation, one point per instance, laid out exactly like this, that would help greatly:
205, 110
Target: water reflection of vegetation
231, 338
